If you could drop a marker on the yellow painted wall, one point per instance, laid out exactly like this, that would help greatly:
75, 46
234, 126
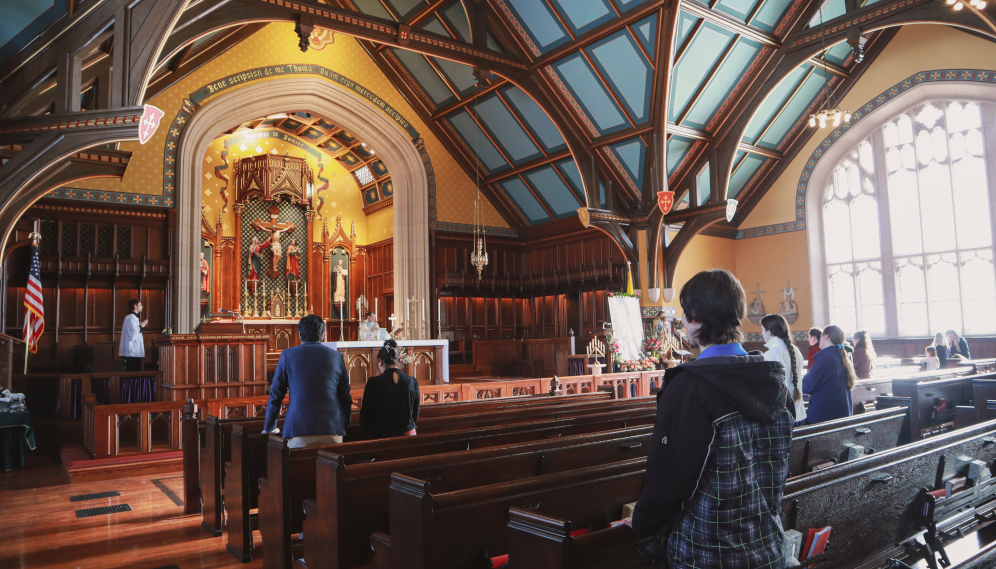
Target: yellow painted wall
772, 260
702, 253
277, 44
380, 225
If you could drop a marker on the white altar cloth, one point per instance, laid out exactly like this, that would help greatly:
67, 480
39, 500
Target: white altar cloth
403, 343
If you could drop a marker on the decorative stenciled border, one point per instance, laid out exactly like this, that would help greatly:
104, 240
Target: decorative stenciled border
519, 29
797, 336
936, 76
654, 311
107, 197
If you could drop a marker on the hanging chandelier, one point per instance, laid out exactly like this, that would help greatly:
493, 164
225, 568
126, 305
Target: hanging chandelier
828, 113
958, 5
479, 254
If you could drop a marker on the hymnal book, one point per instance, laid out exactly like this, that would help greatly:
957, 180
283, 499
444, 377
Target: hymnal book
817, 541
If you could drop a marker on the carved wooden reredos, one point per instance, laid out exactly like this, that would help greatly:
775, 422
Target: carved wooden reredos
268, 177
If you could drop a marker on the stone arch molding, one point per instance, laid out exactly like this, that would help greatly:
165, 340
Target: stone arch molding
406, 160
919, 88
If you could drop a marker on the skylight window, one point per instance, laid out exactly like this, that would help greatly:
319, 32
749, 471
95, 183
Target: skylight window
363, 175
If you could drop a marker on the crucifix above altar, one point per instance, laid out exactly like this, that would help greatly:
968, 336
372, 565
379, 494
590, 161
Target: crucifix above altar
272, 244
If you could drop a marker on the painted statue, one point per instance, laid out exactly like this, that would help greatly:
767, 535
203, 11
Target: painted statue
205, 276
293, 263
256, 258
340, 283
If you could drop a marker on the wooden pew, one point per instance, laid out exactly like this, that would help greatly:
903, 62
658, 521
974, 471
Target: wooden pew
831, 442
867, 390
465, 528
925, 392
215, 451
983, 391
537, 541
291, 472
352, 495
889, 481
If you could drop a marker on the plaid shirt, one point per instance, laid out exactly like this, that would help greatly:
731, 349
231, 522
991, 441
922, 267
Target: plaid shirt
732, 520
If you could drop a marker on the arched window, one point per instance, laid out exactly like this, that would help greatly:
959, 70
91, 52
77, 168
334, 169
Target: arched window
908, 225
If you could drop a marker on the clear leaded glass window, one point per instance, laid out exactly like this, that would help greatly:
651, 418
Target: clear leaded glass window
927, 205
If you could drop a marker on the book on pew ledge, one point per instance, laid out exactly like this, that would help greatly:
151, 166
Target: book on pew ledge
816, 543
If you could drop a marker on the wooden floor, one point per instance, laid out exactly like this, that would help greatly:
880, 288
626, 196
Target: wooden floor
39, 528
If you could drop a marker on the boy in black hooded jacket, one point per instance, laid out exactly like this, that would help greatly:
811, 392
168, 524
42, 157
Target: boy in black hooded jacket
719, 454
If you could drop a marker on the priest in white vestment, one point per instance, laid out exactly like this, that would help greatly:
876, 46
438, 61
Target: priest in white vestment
370, 331
132, 347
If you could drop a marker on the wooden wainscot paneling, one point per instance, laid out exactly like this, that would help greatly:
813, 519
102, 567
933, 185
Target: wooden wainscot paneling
94, 258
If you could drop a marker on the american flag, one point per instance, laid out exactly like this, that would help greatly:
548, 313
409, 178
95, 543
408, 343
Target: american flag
34, 312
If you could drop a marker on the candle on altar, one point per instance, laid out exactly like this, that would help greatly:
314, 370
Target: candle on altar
423, 314
376, 313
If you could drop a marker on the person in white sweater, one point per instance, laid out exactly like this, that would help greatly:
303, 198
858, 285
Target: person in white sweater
778, 339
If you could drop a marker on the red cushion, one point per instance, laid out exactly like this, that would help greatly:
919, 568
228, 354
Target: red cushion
579, 532
497, 562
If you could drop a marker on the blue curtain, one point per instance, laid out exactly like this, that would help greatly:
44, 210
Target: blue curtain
138, 389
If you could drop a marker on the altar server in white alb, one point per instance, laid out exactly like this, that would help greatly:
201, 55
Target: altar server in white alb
132, 343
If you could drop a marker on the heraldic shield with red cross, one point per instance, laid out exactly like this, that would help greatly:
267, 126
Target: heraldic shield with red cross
665, 200
150, 122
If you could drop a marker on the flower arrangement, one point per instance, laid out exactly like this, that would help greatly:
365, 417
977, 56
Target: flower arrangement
614, 349
644, 364
623, 294
653, 347
405, 357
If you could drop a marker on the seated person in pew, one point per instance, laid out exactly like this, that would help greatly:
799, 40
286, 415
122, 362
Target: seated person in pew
864, 355
319, 411
814, 344
777, 338
958, 346
718, 458
941, 346
830, 379
931, 360
390, 400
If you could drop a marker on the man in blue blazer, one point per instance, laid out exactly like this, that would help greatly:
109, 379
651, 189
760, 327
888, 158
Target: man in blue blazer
316, 375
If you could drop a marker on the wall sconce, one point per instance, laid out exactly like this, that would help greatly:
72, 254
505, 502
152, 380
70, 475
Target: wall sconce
668, 295
654, 294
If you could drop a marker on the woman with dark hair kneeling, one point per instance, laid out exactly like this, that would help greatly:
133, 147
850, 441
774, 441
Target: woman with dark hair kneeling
391, 400
830, 379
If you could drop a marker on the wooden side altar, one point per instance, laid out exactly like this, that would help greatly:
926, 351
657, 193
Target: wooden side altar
217, 361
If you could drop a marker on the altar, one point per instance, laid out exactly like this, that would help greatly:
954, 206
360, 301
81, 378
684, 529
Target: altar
429, 360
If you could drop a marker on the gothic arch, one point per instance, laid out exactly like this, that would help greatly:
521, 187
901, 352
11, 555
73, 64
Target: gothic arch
394, 145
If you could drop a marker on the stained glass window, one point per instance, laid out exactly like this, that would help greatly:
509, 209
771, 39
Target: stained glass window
939, 235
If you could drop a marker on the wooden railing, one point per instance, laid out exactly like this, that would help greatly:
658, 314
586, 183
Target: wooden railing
61, 395
147, 428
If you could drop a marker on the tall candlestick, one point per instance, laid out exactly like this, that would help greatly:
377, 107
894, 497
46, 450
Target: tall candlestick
342, 323
423, 319
376, 313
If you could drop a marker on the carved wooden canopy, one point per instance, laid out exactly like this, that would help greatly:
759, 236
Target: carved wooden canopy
268, 177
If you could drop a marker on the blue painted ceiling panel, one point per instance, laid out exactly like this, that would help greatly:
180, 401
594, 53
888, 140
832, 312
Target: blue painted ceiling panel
583, 15
406, 7
476, 139
632, 153
838, 53
534, 118
23, 19
739, 9
686, 23
540, 22
374, 8
462, 76
695, 64
722, 83
621, 63
592, 95
646, 32
553, 190
456, 15
831, 9
426, 76
627, 4
569, 168
704, 181
793, 110
772, 103
506, 130
520, 194
770, 14
743, 173
677, 146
